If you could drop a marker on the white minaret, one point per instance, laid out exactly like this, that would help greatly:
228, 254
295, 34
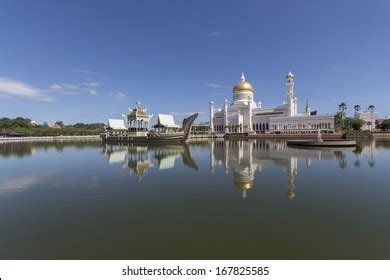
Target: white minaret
211, 116
225, 115
291, 100
250, 126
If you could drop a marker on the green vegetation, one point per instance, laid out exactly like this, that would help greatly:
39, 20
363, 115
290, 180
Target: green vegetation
344, 123
24, 126
385, 125
357, 124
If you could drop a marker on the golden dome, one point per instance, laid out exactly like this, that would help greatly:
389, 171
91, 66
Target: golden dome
243, 85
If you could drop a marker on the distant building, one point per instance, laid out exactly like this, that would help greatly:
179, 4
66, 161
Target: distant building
246, 115
368, 117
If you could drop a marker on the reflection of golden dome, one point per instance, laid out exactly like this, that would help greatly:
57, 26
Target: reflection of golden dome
243, 186
243, 85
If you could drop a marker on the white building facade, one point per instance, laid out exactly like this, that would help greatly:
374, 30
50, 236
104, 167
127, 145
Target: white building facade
369, 118
244, 115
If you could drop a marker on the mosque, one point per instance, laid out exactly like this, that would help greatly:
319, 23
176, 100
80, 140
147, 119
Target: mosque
244, 115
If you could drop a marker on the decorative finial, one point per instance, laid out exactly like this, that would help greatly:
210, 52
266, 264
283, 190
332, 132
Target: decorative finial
226, 101
290, 75
138, 102
307, 108
242, 77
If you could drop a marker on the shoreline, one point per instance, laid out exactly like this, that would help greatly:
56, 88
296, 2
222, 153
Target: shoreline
333, 136
48, 138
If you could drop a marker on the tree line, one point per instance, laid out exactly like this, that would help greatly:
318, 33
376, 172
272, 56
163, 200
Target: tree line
25, 127
342, 122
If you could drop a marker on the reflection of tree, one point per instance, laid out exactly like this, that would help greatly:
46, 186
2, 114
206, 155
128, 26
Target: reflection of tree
342, 159
22, 149
357, 162
359, 149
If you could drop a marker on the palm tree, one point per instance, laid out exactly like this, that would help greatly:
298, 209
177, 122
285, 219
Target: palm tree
357, 108
371, 108
343, 107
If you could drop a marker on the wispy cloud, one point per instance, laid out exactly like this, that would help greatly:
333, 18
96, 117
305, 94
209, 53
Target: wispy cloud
21, 89
85, 71
64, 87
117, 95
214, 34
93, 92
214, 85
91, 84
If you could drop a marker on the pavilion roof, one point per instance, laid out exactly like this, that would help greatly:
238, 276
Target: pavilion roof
166, 121
116, 124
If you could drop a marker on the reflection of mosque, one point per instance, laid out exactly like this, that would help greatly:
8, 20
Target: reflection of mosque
139, 159
244, 158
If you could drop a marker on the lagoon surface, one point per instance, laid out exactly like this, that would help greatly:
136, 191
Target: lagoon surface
204, 200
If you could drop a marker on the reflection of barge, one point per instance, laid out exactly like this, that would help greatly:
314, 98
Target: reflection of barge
328, 143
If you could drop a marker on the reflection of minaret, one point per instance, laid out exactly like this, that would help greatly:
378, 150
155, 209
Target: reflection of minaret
308, 162
240, 150
371, 161
292, 170
212, 157
226, 164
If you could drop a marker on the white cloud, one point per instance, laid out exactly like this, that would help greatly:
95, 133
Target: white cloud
93, 92
117, 95
18, 88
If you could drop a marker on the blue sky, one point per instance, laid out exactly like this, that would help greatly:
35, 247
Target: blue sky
86, 61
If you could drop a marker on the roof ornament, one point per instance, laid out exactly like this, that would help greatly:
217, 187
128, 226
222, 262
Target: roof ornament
242, 77
307, 108
138, 103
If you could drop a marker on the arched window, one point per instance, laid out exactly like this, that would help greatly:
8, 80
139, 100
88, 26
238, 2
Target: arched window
267, 126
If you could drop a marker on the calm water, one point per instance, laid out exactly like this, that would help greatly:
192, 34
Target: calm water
205, 200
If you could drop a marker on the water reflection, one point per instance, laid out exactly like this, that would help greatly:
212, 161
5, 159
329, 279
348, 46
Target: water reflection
137, 158
244, 159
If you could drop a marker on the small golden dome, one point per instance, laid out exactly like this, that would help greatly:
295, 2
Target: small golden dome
242, 85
